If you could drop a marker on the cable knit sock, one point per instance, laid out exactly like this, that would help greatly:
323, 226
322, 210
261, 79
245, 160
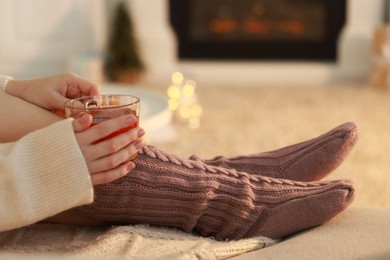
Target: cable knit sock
166, 190
306, 161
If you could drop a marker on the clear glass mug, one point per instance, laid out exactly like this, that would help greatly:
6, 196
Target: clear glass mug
105, 107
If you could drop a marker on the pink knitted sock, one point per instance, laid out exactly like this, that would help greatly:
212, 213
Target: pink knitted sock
306, 161
166, 190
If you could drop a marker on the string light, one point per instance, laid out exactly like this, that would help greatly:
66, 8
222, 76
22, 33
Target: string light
183, 100
177, 77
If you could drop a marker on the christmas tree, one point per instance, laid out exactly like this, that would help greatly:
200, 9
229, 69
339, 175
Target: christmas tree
122, 63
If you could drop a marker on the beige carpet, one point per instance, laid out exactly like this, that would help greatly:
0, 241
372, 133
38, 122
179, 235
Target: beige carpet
248, 120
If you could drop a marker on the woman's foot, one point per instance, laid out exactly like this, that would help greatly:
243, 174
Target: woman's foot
311, 160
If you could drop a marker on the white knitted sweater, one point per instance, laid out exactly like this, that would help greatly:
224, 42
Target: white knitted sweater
42, 174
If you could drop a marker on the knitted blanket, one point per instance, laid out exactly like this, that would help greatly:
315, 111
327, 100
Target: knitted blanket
124, 242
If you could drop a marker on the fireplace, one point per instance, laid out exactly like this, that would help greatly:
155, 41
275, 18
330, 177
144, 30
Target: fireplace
257, 29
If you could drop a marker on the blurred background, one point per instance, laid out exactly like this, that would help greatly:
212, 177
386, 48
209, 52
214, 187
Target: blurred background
249, 42
224, 76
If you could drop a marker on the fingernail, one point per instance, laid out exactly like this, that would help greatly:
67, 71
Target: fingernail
141, 132
138, 144
83, 118
130, 166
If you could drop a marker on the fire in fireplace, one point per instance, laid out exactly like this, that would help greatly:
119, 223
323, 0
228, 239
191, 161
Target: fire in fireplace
257, 29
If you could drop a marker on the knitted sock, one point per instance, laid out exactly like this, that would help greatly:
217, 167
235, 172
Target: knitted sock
306, 161
166, 190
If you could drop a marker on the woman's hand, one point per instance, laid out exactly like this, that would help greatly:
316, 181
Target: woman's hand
51, 93
110, 159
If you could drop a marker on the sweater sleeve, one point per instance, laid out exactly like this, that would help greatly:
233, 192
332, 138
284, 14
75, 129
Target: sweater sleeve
42, 174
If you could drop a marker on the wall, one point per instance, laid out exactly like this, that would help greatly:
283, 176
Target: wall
40, 37
363, 17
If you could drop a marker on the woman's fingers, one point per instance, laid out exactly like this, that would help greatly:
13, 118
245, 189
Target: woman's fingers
105, 128
82, 123
114, 160
78, 86
112, 175
113, 145
108, 159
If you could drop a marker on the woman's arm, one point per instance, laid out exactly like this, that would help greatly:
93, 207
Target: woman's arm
42, 174
18, 118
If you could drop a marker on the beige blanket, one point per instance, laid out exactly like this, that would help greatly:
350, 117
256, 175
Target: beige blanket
358, 233
124, 242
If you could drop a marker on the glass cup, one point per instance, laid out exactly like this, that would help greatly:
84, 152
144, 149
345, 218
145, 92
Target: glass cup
104, 107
